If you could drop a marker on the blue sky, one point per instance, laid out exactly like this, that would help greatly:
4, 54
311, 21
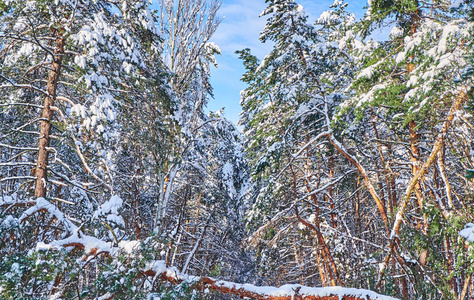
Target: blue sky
240, 28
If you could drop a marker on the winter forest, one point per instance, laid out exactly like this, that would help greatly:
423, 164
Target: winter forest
351, 175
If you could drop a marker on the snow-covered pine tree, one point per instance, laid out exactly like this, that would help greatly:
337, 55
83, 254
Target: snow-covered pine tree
297, 171
69, 70
408, 99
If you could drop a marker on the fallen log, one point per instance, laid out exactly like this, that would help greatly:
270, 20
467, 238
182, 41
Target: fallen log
159, 271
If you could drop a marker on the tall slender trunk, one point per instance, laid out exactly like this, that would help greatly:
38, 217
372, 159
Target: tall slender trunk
45, 129
388, 174
136, 206
321, 269
300, 263
329, 195
415, 161
415, 137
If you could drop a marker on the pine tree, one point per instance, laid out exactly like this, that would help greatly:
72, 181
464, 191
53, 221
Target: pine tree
287, 113
409, 96
69, 72
404, 92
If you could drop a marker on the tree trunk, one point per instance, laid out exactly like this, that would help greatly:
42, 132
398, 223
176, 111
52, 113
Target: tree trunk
415, 161
45, 130
331, 268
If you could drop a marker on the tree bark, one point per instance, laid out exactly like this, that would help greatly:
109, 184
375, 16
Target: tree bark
45, 129
330, 266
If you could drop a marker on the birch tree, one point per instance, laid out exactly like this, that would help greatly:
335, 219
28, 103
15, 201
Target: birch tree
186, 27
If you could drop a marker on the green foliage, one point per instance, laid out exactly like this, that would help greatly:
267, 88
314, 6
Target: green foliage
120, 277
40, 274
4, 9
216, 272
439, 232
469, 174
181, 291
403, 11
269, 234
29, 276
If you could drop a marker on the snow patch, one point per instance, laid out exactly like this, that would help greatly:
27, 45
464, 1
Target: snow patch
468, 232
396, 32
110, 210
129, 246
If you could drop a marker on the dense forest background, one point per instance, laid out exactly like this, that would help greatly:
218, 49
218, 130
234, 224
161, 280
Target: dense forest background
354, 166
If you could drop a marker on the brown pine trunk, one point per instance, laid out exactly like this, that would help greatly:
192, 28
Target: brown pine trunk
249, 291
388, 174
393, 188
358, 220
414, 137
47, 115
329, 195
450, 260
331, 269
299, 262
415, 160
321, 269
138, 222
366, 178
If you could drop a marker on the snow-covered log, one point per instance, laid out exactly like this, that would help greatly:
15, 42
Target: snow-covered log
158, 270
